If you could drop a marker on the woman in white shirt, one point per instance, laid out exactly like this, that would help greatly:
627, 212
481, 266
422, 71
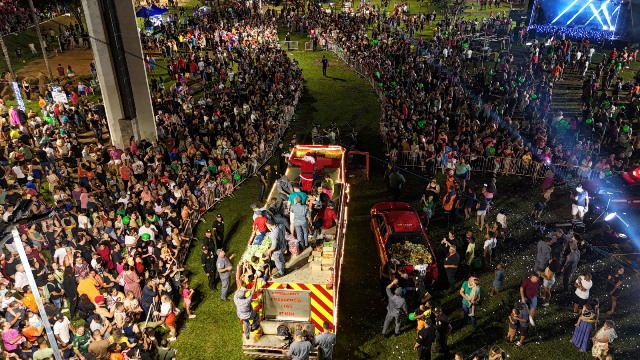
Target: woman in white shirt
20, 279
167, 313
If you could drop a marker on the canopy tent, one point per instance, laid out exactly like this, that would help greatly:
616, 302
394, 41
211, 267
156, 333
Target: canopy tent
155, 10
146, 12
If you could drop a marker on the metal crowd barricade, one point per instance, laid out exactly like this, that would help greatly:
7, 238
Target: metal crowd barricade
491, 164
289, 45
498, 166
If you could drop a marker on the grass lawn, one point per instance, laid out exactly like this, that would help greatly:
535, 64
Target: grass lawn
23, 39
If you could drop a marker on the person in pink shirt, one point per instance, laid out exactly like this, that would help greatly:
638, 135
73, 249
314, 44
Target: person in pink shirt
187, 294
116, 155
14, 118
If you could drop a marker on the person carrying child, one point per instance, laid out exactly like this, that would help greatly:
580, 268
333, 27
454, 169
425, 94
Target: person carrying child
474, 296
513, 325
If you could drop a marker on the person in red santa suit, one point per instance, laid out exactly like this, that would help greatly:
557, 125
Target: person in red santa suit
306, 165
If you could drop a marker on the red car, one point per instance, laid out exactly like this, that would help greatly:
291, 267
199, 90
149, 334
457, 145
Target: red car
401, 238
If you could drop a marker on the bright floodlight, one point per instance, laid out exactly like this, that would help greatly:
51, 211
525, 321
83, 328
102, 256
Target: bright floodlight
610, 216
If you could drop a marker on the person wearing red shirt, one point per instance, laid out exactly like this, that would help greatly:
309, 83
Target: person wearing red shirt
329, 220
529, 289
260, 229
125, 175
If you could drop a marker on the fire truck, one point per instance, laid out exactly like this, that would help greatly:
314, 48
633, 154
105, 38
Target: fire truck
308, 294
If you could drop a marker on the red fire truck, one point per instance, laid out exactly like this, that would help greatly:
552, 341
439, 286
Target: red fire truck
308, 294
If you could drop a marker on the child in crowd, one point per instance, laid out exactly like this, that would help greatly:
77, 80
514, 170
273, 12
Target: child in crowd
187, 294
537, 209
498, 277
513, 325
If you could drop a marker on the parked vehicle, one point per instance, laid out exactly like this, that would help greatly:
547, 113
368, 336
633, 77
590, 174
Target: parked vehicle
401, 239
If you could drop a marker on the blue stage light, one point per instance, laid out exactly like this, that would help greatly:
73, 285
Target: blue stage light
606, 13
564, 11
578, 13
595, 13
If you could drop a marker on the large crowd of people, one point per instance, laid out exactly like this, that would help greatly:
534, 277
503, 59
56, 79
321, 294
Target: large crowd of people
109, 257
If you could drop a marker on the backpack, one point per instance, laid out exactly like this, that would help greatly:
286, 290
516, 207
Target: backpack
45, 291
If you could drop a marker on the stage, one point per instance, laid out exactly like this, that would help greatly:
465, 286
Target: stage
597, 20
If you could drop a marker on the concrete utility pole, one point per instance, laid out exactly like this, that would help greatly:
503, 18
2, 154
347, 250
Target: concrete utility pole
40, 39
119, 60
36, 293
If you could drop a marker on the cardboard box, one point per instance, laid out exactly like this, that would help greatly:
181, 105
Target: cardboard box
316, 253
329, 261
316, 266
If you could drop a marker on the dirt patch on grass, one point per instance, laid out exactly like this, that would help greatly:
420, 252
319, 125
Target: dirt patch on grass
79, 59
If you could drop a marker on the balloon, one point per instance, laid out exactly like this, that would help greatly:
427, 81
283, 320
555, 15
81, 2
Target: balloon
49, 119
422, 123
393, 83
378, 74
236, 177
380, 84
225, 181
412, 316
534, 96
626, 128
589, 121
421, 85
145, 236
126, 220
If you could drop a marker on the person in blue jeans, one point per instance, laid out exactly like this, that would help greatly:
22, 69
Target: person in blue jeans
466, 292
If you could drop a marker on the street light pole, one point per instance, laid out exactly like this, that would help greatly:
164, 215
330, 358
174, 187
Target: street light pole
40, 39
36, 294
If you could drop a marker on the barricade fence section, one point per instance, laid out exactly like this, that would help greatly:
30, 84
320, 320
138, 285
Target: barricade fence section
417, 160
289, 45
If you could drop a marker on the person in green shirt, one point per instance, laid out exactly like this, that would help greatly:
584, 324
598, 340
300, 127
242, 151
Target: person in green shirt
165, 352
81, 343
43, 352
463, 172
